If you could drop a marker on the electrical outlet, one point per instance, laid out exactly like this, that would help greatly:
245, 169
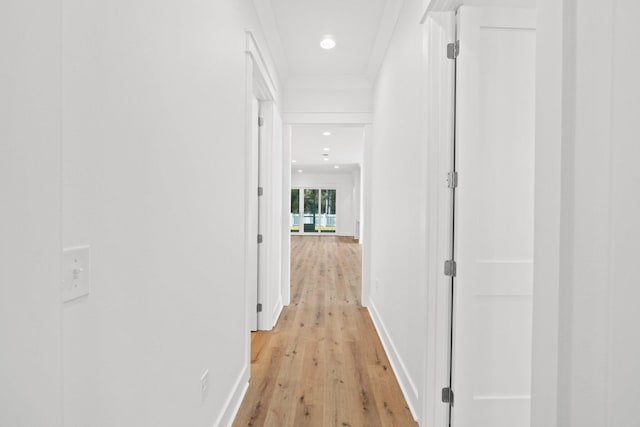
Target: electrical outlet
204, 384
76, 269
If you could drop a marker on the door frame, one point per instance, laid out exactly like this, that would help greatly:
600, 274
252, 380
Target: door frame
364, 120
439, 30
258, 281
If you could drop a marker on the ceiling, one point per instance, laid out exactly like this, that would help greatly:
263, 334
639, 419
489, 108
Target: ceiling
294, 28
346, 145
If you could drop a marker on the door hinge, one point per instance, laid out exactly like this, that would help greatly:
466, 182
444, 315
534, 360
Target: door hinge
452, 179
260, 121
260, 238
447, 395
453, 50
260, 191
259, 308
450, 268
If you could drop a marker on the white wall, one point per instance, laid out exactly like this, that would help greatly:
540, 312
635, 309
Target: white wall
344, 185
30, 223
327, 99
153, 155
398, 195
586, 342
317, 95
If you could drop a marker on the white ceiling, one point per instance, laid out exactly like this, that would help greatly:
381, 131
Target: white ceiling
361, 28
308, 148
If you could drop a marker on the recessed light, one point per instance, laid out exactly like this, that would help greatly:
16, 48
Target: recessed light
327, 133
326, 159
328, 43
293, 161
336, 167
326, 148
299, 170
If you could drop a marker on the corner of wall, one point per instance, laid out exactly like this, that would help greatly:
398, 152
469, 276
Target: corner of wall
409, 389
232, 404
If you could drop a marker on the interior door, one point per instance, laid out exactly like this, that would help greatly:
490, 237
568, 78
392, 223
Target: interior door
493, 241
253, 217
262, 210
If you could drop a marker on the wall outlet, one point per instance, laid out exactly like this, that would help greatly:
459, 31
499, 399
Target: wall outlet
76, 272
204, 384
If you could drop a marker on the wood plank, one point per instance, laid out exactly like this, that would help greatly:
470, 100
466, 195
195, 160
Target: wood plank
323, 363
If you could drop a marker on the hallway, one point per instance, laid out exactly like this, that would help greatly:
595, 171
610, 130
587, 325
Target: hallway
323, 364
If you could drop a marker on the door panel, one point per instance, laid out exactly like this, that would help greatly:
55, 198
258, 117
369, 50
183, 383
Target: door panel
495, 87
311, 201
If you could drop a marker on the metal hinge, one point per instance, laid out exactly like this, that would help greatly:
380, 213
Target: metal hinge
452, 179
453, 50
450, 268
260, 121
260, 238
260, 191
259, 308
447, 395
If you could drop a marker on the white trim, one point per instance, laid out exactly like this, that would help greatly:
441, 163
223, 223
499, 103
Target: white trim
286, 209
275, 313
263, 71
439, 30
366, 214
398, 367
270, 29
555, 76
387, 25
233, 402
443, 5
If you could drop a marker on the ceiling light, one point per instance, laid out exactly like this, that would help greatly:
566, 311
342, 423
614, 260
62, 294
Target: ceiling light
327, 133
326, 159
299, 170
293, 161
328, 43
326, 148
336, 167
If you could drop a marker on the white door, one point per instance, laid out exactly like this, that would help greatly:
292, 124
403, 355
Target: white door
263, 170
253, 218
493, 241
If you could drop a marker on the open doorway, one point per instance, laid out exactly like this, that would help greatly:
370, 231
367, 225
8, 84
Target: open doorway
326, 180
265, 197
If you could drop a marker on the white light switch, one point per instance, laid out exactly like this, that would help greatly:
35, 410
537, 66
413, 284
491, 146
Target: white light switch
76, 263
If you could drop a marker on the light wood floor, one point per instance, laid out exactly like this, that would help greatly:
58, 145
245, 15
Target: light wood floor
323, 364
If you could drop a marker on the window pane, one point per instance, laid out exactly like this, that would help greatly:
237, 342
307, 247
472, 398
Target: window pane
328, 211
295, 210
311, 210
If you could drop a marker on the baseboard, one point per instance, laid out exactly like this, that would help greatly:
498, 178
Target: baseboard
232, 405
399, 369
277, 309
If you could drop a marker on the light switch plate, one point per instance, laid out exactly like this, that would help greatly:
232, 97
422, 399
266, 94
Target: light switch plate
76, 272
